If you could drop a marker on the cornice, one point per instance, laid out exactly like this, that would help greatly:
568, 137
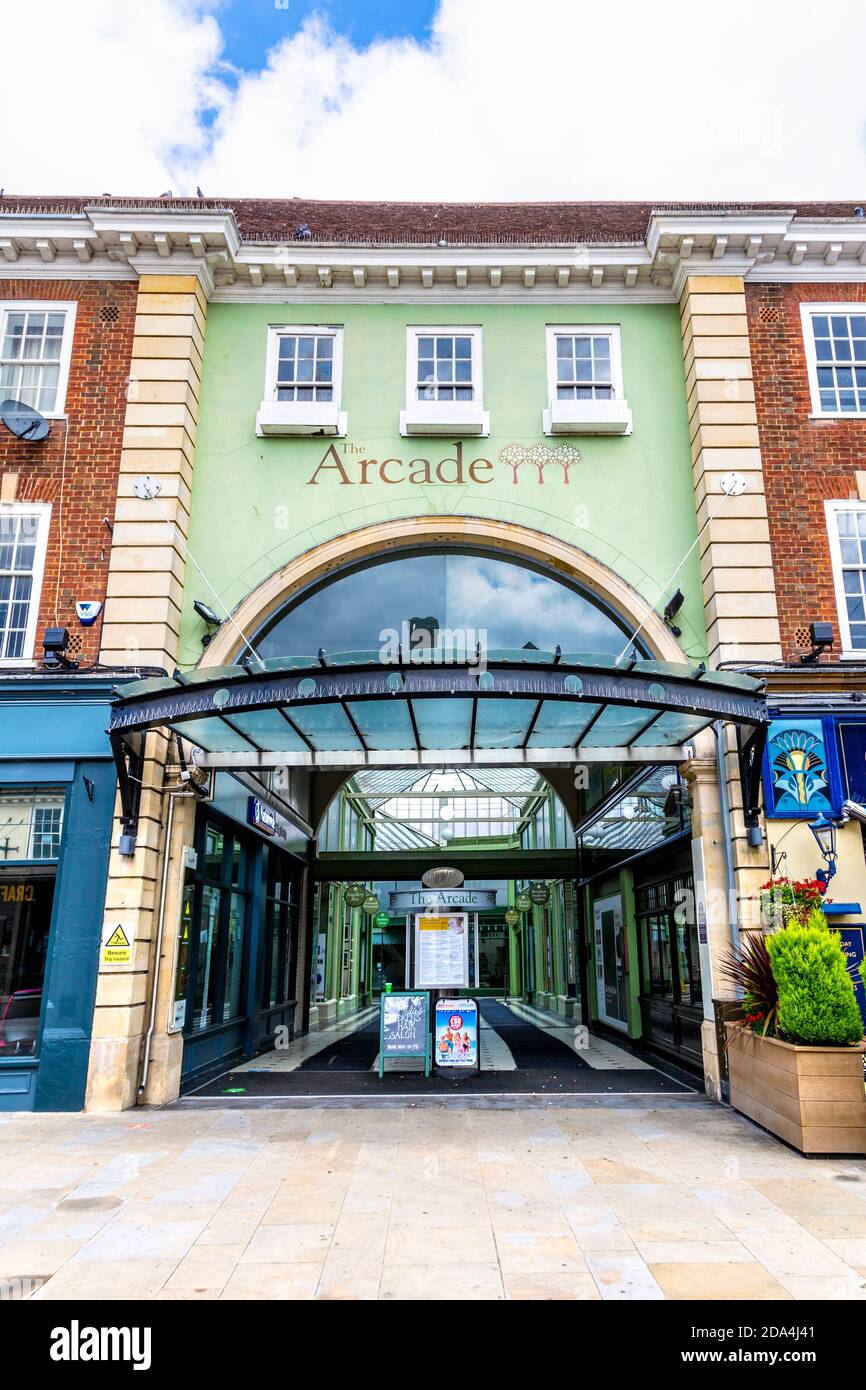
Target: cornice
103, 242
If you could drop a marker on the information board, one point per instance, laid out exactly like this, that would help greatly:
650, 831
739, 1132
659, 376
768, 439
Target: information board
404, 1027
853, 945
455, 1034
442, 951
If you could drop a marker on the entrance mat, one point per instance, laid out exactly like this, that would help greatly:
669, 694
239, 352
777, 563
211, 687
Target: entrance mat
533, 1048
355, 1052
272, 1085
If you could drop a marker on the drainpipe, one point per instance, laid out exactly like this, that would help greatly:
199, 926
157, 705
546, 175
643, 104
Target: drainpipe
145, 1066
726, 833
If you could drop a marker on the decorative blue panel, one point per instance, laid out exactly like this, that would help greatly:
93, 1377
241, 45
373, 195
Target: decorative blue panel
852, 742
799, 768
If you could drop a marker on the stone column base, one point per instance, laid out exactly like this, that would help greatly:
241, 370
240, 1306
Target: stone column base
712, 1062
163, 1072
112, 1081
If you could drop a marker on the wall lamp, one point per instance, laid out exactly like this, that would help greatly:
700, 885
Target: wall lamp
824, 831
208, 616
671, 610
821, 637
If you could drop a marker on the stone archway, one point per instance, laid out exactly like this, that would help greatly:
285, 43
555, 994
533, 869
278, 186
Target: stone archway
427, 532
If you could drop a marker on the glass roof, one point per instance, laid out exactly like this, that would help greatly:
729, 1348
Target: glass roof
358, 710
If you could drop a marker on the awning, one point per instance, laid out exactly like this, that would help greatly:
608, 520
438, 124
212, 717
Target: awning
349, 710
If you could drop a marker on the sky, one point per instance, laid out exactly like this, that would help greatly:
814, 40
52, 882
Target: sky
436, 99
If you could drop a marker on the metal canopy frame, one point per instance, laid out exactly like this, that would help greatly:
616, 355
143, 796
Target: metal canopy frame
334, 713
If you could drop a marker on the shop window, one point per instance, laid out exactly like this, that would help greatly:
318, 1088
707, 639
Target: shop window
444, 389
23, 541
31, 825
492, 954
846, 524
669, 942
303, 382
279, 944
211, 968
584, 381
834, 336
35, 349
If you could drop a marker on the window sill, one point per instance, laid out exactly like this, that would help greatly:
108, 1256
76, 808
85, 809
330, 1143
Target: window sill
300, 418
838, 415
445, 417
587, 417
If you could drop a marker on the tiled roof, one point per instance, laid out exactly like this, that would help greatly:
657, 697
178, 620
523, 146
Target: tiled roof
391, 223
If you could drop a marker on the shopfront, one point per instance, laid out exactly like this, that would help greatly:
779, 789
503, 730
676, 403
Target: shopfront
237, 969
57, 788
671, 1002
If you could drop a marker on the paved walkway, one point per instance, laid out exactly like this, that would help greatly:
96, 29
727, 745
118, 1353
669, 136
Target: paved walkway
618, 1199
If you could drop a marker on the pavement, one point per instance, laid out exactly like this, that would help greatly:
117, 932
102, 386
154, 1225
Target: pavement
615, 1198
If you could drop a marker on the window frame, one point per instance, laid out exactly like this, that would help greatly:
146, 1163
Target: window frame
808, 311
46, 306
453, 413
42, 510
415, 332
831, 511
276, 331
586, 330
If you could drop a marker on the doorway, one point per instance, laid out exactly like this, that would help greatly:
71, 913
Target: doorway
610, 963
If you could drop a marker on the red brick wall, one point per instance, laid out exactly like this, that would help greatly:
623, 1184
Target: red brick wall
805, 461
76, 564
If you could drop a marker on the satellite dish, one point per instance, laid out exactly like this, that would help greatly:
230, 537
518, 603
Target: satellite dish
22, 420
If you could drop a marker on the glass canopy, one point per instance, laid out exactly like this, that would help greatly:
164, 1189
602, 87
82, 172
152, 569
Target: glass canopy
352, 710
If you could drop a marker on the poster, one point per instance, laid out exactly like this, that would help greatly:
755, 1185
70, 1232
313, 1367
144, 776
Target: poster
852, 942
321, 951
404, 1028
442, 951
455, 1042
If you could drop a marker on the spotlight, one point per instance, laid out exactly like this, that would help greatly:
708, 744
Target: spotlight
54, 643
672, 607
821, 637
207, 615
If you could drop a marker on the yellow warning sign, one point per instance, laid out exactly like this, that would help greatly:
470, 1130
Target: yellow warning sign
116, 947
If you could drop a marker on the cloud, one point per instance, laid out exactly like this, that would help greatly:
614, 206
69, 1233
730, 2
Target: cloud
557, 99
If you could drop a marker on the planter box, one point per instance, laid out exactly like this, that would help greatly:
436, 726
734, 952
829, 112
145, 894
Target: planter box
812, 1097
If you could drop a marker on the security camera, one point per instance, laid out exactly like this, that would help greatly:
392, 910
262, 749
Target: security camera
207, 614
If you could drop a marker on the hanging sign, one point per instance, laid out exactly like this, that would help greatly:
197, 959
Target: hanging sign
523, 902
355, 895
512, 917
404, 1027
442, 951
370, 904
455, 1036
539, 893
116, 945
382, 920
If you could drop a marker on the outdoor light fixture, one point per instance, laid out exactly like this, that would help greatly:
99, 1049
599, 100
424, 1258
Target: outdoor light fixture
821, 637
670, 611
824, 830
207, 615
442, 878
54, 644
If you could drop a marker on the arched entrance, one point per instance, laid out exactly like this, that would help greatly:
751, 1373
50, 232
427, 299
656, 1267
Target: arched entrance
318, 716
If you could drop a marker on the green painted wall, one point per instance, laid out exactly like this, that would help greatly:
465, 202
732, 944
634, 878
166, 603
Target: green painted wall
629, 501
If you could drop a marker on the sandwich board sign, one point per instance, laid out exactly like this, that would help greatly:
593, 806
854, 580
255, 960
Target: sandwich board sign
455, 1035
404, 1027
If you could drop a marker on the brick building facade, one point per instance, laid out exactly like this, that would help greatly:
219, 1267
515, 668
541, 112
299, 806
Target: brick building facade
807, 460
75, 469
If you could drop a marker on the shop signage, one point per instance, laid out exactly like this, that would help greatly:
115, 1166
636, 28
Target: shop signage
417, 899
523, 902
17, 893
852, 941
370, 904
442, 951
262, 816
539, 893
512, 917
382, 919
455, 1035
404, 1027
116, 945
355, 895
349, 465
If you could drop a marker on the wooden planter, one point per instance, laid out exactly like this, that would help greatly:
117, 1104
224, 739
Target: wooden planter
812, 1097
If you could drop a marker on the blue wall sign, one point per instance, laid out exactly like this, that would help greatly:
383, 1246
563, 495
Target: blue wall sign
853, 944
262, 816
799, 769
852, 744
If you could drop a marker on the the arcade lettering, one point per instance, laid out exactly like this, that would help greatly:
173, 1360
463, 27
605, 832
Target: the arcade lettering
349, 466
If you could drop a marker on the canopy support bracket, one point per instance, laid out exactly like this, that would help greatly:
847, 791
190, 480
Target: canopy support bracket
751, 757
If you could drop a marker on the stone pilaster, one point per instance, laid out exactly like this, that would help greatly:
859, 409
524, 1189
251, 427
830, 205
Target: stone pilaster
141, 625
736, 566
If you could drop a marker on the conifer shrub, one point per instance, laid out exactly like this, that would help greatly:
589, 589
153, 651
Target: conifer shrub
817, 1005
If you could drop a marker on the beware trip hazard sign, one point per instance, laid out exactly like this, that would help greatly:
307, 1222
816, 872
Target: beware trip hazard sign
116, 946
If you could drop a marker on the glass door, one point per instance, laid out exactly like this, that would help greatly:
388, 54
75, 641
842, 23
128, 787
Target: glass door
609, 953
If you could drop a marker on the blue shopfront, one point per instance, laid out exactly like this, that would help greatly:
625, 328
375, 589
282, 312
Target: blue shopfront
57, 790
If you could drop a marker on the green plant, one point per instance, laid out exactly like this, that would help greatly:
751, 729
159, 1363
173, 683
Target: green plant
783, 899
817, 1004
748, 967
